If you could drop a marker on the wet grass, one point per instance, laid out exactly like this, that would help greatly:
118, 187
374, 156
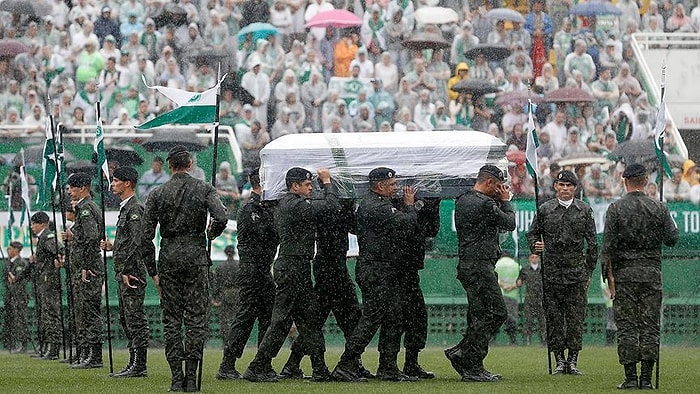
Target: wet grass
524, 370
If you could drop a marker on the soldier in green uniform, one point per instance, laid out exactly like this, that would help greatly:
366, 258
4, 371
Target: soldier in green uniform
334, 288
636, 226
295, 223
378, 226
88, 270
225, 294
130, 271
414, 314
47, 262
480, 215
564, 233
257, 245
15, 276
181, 206
531, 276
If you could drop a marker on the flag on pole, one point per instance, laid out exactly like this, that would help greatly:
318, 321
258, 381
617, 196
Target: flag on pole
49, 169
26, 202
660, 133
191, 107
532, 144
10, 214
99, 147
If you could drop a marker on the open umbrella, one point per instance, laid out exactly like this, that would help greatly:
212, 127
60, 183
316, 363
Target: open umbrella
490, 52
259, 30
584, 159
334, 18
475, 87
171, 14
124, 155
86, 166
164, 140
435, 15
24, 7
208, 55
12, 48
504, 14
420, 41
636, 151
518, 97
568, 95
242, 95
593, 8
33, 155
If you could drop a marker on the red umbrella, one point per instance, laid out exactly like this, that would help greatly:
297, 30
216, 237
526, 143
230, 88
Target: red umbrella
12, 48
568, 95
334, 18
518, 97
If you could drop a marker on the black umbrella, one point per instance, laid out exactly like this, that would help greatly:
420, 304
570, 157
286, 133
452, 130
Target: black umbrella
490, 52
24, 7
420, 41
34, 155
164, 140
635, 151
242, 95
86, 166
208, 55
12, 48
475, 87
125, 155
171, 14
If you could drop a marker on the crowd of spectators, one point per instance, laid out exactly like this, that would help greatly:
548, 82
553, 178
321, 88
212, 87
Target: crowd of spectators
105, 49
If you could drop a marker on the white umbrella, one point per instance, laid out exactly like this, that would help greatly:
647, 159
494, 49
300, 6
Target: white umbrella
436, 15
505, 14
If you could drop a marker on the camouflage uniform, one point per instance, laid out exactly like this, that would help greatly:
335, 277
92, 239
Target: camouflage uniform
566, 270
16, 328
48, 282
181, 206
377, 274
86, 254
479, 219
295, 224
225, 291
635, 228
257, 245
533, 302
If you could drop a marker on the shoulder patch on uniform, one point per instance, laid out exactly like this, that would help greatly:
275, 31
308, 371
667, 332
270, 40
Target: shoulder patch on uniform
50, 235
393, 210
85, 212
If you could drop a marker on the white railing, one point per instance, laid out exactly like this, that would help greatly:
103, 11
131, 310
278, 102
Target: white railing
115, 134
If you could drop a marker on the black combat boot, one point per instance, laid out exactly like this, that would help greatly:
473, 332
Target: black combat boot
291, 369
138, 367
227, 368
132, 356
630, 377
177, 378
21, 348
39, 353
51, 351
572, 363
412, 368
190, 384
320, 370
260, 372
75, 357
457, 359
645, 375
348, 370
81, 354
560, 368
93, 359
388, 370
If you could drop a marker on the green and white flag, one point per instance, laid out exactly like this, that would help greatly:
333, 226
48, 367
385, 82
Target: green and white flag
99, 148
48, 169
660, 133
190, 107
532, 144
26, 202
10, 214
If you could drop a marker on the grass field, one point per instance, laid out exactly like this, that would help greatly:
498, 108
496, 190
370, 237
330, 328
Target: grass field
524, 370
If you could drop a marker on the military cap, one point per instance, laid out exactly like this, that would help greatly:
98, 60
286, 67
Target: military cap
40, 217
16, 245
297, 174
493, 171
381, 174
567, 176
177, 150
230, 250
126, 173
79, 179
634, 170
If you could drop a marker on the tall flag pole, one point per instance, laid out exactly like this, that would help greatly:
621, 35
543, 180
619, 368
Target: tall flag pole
102, 172
10, 215
659, 134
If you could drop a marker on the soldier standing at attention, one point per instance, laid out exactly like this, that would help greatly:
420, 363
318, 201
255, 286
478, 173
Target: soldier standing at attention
378, 266
480, 214
130, 271
635, 228
295, 223
558, 232
531, 276
85, 255
224, 292
181, 206
15, 275
257, 245
47, 263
